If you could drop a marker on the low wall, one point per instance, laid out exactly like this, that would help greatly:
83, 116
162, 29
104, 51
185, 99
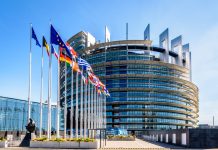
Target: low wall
190, 138
67, 144
3, 144
16, 135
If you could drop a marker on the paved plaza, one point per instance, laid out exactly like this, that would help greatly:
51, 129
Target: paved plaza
138, 144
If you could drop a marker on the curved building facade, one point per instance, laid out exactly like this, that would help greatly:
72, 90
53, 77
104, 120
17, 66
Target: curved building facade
150, 87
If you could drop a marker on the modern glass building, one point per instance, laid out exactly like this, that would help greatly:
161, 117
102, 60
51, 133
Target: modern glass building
150, 86
13, 114
81, 41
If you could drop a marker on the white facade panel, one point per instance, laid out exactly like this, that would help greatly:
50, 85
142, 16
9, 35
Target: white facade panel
167, 140
174, 139
183, 138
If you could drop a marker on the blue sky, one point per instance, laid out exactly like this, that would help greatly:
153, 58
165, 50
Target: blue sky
195, 20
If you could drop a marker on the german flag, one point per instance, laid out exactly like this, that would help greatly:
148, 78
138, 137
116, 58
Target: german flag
65, 58
45, 44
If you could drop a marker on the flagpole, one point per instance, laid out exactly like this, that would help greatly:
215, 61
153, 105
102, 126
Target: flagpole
88, 106
99, 99
30, 76
76, 115
105, 118
49, 97
92, 109
100, 111
103, 113
71, 109
65, 100
49, 93
85, 111
95, 107
58, 95
41, 96
81, 106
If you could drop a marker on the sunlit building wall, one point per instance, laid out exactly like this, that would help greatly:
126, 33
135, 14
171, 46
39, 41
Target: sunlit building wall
151, 86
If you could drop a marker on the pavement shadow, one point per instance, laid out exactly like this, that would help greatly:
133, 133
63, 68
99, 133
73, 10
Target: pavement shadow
165, 145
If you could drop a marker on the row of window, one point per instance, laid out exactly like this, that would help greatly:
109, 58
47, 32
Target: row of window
146, 99
145, 126
145, 113
139, 94
148, 120
162, 107
13, 115
123, 55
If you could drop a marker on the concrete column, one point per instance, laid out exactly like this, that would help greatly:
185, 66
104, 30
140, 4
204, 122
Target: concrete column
187, 57
176, 46
164, 43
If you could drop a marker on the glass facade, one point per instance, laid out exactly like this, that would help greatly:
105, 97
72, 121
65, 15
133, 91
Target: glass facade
146, 92
69, 96
150, 86
13, 114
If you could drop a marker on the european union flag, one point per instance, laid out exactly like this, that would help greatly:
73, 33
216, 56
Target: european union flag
56, 39
35, 38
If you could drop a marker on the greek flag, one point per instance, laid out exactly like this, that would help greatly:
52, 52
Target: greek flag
84, 64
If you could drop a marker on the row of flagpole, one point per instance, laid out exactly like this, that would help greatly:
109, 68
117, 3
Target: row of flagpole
84, 113
92, 98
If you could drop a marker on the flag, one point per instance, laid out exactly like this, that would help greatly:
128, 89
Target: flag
56, 39
106, 92
73, 52
93, 79
84, 64
101, 84
65, 58
99, 92
45, 44
35, 38
54, 52
75, 67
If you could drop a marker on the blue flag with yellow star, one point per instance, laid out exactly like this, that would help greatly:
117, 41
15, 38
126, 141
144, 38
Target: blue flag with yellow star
56, 39
35, 38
